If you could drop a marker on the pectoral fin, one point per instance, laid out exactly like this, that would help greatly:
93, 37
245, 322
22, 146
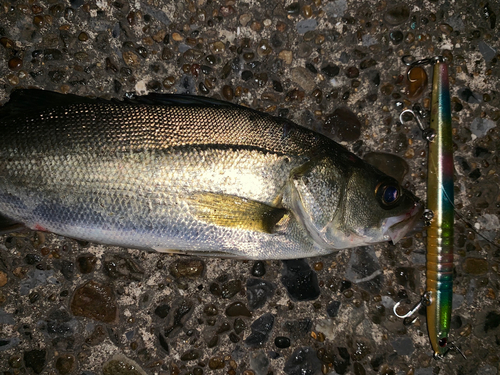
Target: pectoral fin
235, 212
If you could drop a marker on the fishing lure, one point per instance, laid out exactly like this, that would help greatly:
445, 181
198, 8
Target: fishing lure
439, 288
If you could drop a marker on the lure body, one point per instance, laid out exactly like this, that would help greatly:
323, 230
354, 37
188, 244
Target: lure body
440, 201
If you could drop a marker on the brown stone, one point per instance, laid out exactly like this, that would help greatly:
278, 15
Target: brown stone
96, 301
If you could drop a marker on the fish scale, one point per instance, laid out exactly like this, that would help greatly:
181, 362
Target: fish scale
178, 173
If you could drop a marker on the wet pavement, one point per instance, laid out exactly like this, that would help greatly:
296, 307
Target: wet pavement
68, 307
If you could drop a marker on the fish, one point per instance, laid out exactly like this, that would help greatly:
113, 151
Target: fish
191, 175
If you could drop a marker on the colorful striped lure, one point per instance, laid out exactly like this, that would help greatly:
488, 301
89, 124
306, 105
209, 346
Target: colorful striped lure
440, 202
439, 291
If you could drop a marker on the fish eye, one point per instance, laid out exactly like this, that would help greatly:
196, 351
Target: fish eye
388, 194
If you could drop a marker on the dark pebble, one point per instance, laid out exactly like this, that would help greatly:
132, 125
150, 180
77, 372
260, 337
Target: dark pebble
377, 362
344, 285
490, 15
282, 342
59, 324
261, 329
492, 321
481, 152
94, 300
15, 63
277, 86
259, 267
302, 361
365, 64
67, 268
246, 75
344, 124
227, 92
190, 355
233, 337
190, 268
248, 56
456, 322
293, 9
298, 329
260, 79
32, 259
86, 263
215, 363
121, 267
52, 54
7, 43
230, 288
397, 14
359, 369
330, 70
396, 37
300, 281
203, 88
333, 309
311, 68
35, 359
162, 311
352, 72
239, 325
65, 364
468, 96
475, 174
238, 309
258, 292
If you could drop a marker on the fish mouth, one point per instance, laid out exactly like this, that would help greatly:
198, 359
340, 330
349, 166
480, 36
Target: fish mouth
396, 227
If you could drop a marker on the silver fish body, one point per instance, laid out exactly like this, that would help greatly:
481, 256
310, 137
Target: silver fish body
179, 173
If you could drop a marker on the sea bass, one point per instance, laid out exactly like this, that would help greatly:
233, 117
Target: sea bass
179, 173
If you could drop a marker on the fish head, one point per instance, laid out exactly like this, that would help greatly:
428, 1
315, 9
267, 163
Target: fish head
343, 207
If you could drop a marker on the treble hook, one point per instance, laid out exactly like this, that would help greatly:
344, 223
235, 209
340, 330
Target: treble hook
427, 133
424, 301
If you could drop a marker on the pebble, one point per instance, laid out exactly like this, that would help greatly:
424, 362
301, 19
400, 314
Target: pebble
286, 56
15, 63
417, 82
216, 363
121, 365
300, 281
6, 42
344, 124
122, 267
86, 263
35, 359
263, 48
365, 64
293, 9
333, 309
282, 342
187, 268
308, 24
94, 300
491, 322
239, 326
397, 14
403, 346
259, 267
480, 126
162, 311
303, 78
475, 266
131, 59
258, 292
302, 361
3, 279
396, 36
352, 72
65, 364
261, 329
331, 70
238, 309
390, 164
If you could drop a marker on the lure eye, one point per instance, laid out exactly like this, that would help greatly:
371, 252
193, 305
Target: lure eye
388, 193
442, 342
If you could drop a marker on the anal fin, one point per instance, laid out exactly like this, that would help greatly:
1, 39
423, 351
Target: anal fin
235, 212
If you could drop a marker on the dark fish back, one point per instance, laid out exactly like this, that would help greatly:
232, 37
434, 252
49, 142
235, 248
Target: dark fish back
67, 123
